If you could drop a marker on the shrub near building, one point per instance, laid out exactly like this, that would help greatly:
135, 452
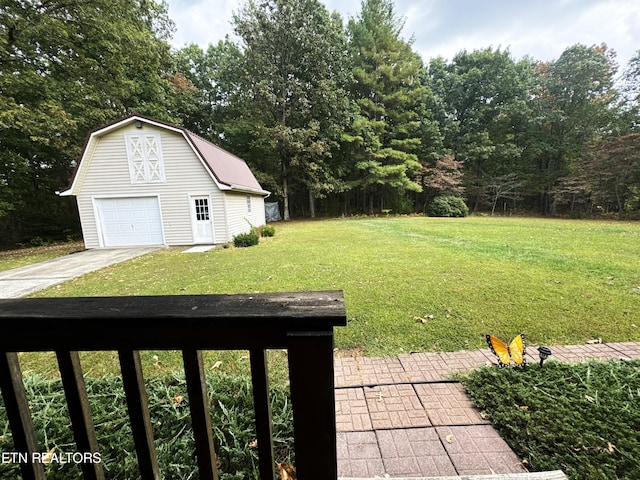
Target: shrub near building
246, 239
267, 231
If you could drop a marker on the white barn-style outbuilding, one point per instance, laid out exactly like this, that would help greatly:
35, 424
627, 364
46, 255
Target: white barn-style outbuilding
141, 181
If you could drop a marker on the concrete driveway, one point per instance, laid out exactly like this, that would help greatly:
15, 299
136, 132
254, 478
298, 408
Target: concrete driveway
22, 281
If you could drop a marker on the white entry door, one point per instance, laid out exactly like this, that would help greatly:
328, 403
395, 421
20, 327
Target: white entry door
201, 219
130, 221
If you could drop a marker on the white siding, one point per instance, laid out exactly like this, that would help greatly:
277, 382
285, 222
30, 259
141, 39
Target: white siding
107, 175
239, 220
257, 213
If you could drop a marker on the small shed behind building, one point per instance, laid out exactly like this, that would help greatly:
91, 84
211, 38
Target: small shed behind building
272, 212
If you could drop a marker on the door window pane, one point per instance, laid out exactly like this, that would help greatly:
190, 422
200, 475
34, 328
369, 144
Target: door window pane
202, 209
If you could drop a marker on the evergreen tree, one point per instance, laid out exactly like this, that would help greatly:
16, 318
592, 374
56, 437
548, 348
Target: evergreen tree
386, 135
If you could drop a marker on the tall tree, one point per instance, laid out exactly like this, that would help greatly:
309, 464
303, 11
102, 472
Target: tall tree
209, 76
292, 86
390, 97
571, 107
66, 67
443, 178
606, 176
484, 94
629, 104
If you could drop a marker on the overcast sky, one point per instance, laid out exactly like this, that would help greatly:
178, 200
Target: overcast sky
541, 29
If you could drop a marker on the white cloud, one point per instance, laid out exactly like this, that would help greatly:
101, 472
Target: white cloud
541, 29
201, 21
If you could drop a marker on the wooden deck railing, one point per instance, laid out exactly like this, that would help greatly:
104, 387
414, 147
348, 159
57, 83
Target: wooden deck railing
302, 323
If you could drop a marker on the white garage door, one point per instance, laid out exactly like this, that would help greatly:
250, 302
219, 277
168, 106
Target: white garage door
130, 221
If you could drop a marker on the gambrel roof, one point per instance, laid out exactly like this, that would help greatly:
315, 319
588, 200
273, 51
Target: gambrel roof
227, 170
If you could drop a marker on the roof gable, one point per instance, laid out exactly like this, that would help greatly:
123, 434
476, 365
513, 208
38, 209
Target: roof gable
229, 171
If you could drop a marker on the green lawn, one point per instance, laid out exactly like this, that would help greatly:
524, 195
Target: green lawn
26, 256
418, 283
426, 284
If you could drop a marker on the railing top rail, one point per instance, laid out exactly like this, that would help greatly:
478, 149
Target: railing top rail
166, 322
280, 307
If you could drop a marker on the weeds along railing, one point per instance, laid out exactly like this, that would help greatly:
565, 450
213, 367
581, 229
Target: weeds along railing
301, 323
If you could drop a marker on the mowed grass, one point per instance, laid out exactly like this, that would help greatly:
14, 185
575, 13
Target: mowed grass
29, 255
418, 283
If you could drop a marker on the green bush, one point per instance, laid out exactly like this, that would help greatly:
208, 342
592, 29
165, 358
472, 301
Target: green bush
232, 418
246, 239
448, 206
267, 231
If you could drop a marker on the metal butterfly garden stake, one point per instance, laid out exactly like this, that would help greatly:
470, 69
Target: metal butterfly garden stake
515, 351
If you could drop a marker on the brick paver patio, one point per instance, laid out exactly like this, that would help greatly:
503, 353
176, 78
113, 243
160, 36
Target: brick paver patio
395, 406
405, 417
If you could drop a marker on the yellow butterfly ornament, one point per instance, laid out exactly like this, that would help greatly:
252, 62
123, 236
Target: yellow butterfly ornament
515, 351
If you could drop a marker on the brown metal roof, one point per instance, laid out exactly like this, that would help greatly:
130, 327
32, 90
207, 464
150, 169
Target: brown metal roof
227, 168
230, 171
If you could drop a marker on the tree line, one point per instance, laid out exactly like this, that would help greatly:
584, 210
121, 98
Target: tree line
335, 116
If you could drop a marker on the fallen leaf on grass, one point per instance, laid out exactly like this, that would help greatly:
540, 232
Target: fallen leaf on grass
177, 399
611, 447
287, 472
589, 398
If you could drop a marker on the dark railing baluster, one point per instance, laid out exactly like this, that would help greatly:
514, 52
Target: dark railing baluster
138, 406
200, 417
314, 416
79, 412
17, 407
262, 406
